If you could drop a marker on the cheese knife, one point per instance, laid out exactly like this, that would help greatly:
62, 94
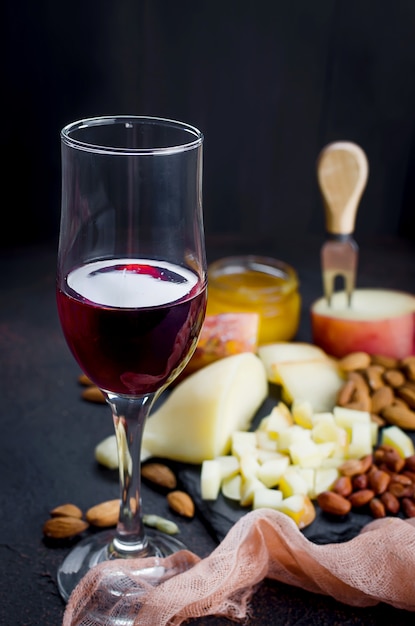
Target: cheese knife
342, 173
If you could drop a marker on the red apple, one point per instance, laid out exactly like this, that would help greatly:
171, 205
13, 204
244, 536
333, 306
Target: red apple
379, 321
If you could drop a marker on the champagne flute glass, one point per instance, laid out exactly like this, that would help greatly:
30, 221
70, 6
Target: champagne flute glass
131, 290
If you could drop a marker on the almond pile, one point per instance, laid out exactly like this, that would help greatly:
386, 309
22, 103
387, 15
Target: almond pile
383, 386
67, 520
382, 483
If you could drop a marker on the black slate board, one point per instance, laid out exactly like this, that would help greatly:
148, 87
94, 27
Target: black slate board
220, 515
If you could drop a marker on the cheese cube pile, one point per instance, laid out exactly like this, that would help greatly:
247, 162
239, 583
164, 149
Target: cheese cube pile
290, 458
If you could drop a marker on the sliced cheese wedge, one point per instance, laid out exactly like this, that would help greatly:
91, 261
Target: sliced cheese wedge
197, 419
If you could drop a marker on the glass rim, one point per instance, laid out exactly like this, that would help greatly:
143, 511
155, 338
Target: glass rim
108, 120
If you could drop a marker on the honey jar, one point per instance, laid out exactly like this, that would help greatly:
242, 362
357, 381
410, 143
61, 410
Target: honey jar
256, 284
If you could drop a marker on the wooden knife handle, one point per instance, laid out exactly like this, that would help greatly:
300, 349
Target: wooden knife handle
342, 172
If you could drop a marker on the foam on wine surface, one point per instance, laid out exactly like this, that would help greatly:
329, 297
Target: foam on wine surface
132, 283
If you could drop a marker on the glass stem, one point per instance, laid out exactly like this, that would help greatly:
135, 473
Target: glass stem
129, 416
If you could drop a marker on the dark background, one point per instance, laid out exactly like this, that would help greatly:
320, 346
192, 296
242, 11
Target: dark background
269, 82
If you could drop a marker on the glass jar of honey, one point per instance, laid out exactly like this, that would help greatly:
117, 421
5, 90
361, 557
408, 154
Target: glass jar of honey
256, 284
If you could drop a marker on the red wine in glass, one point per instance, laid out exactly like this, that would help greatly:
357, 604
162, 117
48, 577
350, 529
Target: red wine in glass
131, 324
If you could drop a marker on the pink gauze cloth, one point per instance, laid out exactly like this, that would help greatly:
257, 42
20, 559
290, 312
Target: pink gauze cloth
378, 565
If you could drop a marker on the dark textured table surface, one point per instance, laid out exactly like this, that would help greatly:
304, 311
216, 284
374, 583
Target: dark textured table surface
49, 435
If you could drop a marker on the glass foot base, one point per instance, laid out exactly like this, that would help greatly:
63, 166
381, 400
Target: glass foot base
94, 550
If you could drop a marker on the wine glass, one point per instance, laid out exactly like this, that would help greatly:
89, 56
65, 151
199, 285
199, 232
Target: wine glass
131, 290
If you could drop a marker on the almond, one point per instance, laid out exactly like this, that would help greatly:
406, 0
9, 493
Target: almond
410, 371
333, 503
402, 478
354, 361
377, 508
93, 394
392, 458
181, 503
374, 376
361, 395
351, 467
381, 398
409, 491
361, 497
379, 455
343, 486
408, 507
159, 474
379, 481
408, 365
390, 502
388, 362
346, 392
104, 514
362, 387
360, 481
404, 418
407, 393
397, 489
401, 403
67, 510
64, 527
394, 378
